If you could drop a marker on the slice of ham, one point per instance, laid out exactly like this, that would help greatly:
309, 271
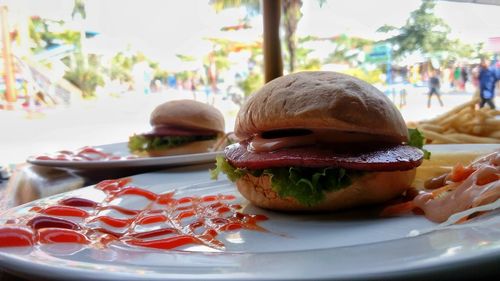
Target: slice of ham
178, 131
356, 157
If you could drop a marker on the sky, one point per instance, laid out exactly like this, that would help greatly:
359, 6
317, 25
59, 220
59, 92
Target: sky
162, 28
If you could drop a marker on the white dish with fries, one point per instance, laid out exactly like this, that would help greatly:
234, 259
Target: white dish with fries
292, 247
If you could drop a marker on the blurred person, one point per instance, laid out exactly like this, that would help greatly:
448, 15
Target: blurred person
488, 77
142, 74
457, 73
465, 77
434, 86
172, 81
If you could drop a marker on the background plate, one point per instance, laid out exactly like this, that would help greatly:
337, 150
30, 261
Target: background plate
121, 149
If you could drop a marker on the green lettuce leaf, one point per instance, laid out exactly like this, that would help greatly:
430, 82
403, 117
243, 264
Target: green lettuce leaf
141, 143
417, 139
306, 185
222, 166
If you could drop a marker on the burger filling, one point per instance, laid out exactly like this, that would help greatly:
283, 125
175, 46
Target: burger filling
168, 136
141, 143
308, 185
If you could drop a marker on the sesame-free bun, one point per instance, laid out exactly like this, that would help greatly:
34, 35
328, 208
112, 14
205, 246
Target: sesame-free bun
371, 188
321, 99
188, 114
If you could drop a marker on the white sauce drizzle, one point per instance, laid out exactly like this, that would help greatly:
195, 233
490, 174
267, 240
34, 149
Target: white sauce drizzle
317, 136
466, 194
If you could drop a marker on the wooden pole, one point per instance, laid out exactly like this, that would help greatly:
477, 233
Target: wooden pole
8, 75
273, 62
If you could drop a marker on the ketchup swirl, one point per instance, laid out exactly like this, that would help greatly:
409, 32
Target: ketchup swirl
87, 153
165, 223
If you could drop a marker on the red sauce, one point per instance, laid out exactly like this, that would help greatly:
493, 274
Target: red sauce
86, 153
152, 219
122, 210
46, 221
136, 191
186, 214
16, 236
166, 243
114, 222
166, 198
154, 233
183, 221
111, 185
64, 211
59, 235
78, 202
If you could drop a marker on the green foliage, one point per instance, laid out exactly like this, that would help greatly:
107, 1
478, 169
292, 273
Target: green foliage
346, 49
304, 62
38, 29
423, 31
121, 67
85, 76
291, 18
251, 83
371, 77
252, 6
79, 9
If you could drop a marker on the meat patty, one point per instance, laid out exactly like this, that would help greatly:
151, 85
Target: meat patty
173, 131
353, 156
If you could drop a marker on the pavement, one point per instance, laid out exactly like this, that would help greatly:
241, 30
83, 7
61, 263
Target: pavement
110, 119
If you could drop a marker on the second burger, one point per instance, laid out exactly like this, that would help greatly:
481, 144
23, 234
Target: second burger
180, 127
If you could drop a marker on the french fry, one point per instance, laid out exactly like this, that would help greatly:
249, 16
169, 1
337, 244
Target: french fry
466, 138
454, 110
438, 137
463, 124
432, 127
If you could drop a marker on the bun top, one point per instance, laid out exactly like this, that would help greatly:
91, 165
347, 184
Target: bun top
188, 114
321, 100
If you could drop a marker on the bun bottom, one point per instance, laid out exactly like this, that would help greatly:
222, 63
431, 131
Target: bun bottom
371, 188
188, 148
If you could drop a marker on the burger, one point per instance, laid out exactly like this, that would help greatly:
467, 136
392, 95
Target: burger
180, 127
320, 141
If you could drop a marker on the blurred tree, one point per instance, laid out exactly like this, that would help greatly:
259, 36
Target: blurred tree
290, 19
42, 38
347, 49
85, 70
251, 83
79, 9
121, 67
303, 60
423, 31
86, 78
370, 76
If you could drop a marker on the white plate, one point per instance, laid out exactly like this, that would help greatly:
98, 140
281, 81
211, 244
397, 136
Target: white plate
121, 149
346, 245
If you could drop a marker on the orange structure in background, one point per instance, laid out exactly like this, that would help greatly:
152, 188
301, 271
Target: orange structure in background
8, 67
